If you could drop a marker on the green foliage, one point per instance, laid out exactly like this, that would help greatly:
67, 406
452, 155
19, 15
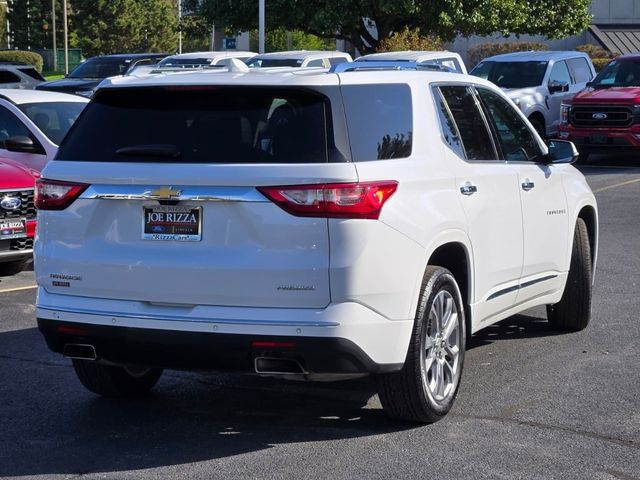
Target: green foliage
358, 21
117, 26
484, 50
32, 58
407, 39
279, 39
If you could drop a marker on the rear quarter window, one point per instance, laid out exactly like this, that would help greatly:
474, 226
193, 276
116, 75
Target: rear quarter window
379, 121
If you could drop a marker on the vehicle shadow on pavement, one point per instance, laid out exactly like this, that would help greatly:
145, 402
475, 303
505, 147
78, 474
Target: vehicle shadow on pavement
513, 328
50, 425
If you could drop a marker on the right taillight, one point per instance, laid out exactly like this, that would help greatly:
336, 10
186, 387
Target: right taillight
55, 194
333, 200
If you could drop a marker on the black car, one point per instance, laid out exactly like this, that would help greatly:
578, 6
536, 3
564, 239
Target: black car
86, 76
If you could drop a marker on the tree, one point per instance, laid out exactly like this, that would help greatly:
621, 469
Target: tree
280, 39
364, 24
116, 26
30, 23
409, 40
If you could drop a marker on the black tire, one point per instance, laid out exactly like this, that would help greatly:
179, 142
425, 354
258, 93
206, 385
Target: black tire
11, 268
539, 126
573, 312
110, 381
406, 395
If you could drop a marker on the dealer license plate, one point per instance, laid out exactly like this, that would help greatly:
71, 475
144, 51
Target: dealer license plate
12, 229
172, 222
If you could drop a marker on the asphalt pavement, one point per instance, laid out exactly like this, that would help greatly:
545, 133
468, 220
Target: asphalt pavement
533, 404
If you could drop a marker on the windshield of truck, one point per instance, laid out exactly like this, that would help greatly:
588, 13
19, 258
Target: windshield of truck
619, 73
512, 74
98, 68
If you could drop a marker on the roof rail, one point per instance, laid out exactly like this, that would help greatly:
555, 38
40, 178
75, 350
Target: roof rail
387, 65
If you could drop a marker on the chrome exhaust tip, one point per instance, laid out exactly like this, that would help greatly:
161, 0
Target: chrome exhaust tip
278, 366
79, 351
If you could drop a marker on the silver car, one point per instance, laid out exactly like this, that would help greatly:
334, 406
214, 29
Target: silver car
19, 75
539, 82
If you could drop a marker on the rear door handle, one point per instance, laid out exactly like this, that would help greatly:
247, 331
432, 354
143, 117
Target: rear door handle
527, 185
468, 189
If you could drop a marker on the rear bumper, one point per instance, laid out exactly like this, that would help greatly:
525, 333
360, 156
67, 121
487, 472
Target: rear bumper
211, 351
344, 338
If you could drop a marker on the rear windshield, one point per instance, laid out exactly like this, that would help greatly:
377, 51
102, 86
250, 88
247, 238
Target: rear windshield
512, 74
257, 62
204, 124
32, 72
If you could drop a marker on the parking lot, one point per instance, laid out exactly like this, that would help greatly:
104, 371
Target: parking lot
532, 404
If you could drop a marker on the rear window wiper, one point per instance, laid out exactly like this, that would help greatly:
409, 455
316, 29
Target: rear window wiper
154, 150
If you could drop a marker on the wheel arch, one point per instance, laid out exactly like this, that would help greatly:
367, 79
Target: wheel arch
588, 214
539, 116
456, 257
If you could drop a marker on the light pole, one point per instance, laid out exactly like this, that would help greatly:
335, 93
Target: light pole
66, 37
53, 24
180, 23
260, 26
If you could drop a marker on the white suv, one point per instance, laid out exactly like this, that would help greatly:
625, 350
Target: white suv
305, 224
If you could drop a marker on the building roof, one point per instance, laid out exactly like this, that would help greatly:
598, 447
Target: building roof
617, 38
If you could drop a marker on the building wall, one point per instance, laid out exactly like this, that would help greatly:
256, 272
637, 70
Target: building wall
615, 11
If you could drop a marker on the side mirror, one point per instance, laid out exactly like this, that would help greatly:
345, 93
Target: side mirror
556, 87
21, 144
561, 151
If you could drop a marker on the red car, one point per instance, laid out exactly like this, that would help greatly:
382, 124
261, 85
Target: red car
605, 116
17, 216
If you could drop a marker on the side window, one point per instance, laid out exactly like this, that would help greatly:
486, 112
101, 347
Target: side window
580, 69
448, 127
560, 73
379, 121
316, 63
337, 60
515, 139
32, 72
11, 126
468, 117
8, 77
451, 63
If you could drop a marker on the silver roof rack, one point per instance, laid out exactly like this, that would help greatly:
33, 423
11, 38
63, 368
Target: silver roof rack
388, 65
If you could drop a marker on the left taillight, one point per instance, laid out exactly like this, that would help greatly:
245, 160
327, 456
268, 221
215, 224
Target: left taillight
55, 194
333, 200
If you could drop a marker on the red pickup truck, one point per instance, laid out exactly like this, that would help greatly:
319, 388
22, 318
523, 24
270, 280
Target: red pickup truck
17, 216
605, 116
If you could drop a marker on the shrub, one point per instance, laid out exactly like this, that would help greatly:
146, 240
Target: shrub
594, 51
32, 58
484, 50
408, 39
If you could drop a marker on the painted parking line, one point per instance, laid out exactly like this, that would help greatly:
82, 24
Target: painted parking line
616, 185
18, 289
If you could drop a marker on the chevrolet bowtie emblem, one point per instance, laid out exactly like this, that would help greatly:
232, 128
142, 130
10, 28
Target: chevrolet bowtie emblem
165, 193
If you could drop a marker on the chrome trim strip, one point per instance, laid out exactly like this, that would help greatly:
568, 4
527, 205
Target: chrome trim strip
195, 194
504, 291
16, 190
147, 316
16, 253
